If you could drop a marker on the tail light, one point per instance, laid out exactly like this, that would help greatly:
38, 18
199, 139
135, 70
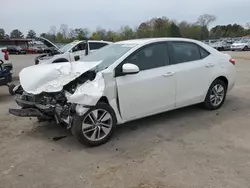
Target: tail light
232, 61
6, 56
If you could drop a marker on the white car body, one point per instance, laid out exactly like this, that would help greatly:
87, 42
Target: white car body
221, 45
243, 44
5, 59
73, 51
131, 91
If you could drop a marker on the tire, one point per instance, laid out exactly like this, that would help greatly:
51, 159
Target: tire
90, 131
211, 104
11, 87
222, 49
245, 48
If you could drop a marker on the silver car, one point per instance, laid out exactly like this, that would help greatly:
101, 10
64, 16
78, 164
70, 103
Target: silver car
243, 44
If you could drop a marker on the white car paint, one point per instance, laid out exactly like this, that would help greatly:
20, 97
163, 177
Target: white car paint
69, 53
241, 44
137, 95
51, 77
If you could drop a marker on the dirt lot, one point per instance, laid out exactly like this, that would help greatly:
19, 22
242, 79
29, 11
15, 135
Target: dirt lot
186, 148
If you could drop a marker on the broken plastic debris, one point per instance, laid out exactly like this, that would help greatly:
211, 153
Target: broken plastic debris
81, 110
90, 92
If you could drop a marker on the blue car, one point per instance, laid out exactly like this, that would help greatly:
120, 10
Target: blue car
6, 78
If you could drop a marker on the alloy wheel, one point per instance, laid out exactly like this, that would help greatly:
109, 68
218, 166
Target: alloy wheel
97, 124
217, 95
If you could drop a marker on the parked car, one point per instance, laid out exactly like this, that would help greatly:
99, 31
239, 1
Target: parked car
125, 81
38, 50
4, 59
73, 51
221, 45
243, 44
31, 50
6, 78
16, 50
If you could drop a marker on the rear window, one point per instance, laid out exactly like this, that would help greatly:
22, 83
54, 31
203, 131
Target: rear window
185, 52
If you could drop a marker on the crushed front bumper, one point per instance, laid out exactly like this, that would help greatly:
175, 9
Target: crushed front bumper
28, 112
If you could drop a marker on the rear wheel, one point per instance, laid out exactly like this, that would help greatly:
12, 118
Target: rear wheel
245, 48
96, 126
216, 95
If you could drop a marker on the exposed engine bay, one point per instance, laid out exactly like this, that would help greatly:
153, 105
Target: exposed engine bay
51, 105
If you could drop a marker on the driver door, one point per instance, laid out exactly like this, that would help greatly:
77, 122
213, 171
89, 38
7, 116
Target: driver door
78, 51
152, 89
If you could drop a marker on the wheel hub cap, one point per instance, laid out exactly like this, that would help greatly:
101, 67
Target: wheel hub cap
97, 124
217, 95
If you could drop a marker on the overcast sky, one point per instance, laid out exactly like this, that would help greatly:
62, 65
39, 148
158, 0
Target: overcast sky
39, 15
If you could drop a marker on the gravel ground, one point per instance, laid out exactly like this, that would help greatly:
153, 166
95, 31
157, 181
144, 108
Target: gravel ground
186, 148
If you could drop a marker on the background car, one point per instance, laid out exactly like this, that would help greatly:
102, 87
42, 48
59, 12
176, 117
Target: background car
16, 50
221, 45
73, 51
5, 59
125, 81
243, 44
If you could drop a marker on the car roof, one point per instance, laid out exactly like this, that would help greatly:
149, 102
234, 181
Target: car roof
101, 41
150, 40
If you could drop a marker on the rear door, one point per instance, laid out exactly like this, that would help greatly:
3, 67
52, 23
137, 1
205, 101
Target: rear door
194, 67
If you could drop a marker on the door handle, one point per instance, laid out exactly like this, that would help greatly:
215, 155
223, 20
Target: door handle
209, 64
168, 74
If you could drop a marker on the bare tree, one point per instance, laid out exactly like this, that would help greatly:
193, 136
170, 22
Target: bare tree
64, 30
248, 25
204, 21
52, 32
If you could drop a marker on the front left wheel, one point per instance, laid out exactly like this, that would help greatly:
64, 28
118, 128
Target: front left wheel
96, 126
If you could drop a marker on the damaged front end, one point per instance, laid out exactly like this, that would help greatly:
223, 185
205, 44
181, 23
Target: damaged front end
44, 106
61, 106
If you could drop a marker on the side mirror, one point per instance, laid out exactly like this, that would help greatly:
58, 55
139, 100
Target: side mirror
129, 68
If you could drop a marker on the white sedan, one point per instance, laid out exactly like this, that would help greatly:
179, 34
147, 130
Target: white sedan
243, 44
125, 81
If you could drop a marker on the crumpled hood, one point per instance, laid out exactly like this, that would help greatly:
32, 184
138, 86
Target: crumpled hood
52, 77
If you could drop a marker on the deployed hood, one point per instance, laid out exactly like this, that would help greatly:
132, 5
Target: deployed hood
52, 77
47, 42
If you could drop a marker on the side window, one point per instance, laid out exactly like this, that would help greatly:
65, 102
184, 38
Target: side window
96, 45
150, 57
204, 53
79, 47
185, 52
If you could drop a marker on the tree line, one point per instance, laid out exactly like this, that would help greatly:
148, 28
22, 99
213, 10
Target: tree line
155, 27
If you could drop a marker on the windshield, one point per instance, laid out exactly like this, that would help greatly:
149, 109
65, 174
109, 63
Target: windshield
108, 54
67, 47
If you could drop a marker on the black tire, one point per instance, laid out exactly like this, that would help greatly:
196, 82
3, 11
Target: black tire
207, 103
77, 126
11, 87
245, 48
222, 49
